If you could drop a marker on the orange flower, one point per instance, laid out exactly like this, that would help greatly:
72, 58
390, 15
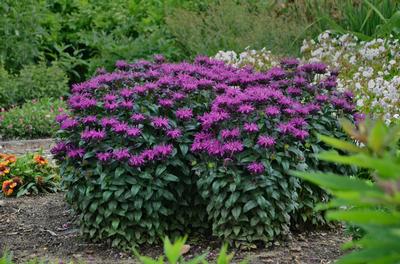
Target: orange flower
40, 160
9, 185
11, 158
6, 188
4, 170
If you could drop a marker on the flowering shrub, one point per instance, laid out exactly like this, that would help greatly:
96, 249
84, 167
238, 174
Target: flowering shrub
129, 146
256, 132
370, 69
28, 174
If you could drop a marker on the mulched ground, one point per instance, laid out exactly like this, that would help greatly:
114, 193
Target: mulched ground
45, 227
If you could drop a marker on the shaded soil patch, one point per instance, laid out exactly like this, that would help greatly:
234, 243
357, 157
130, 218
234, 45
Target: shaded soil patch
45, 227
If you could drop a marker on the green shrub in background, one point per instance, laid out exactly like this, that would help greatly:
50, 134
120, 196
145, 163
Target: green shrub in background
374, 207
365, 19
234, 25
20, 33
31, 120
33, 82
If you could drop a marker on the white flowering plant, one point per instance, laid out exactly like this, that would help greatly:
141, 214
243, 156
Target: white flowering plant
371, 69
260, 60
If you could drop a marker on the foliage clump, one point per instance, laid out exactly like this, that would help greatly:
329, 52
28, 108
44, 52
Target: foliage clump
157, 148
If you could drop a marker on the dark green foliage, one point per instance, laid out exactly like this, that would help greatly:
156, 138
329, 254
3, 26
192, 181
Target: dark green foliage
31, 120
32, 82
365, 19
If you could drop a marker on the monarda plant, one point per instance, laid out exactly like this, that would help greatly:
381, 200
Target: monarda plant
156, 149
255, 132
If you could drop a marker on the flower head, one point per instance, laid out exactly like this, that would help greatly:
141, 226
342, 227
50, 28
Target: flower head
40, 160
256, 168
266, 141
251, 127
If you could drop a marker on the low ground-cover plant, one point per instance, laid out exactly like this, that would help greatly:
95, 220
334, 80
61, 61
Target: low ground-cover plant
174, 254
133, 137
369, 69
372, 206
27, 174
31, 120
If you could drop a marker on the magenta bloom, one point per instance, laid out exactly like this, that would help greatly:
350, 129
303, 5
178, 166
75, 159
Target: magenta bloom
233, 147
300, 134
251, 127
107, 122
126, 92
133, 132
294, 91
69, 123
104, 156
110, 97
136, 161
321, 98
272, 111
184, 113
126, 104
121, 154
89, 120
246, 109
166, 103
230, 133
59, 148
178, 96
61, 117
266, 141
163, 150
138, 118
175, 133
160, 122
256, 168
149, 154
75, 153
93, 135
110, 106
120, 128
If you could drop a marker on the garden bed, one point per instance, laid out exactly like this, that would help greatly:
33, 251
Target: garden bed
44, 227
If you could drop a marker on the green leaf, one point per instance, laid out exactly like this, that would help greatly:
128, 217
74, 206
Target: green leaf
336, 182
386, 167
366, 216
160, 169
173, 251
170, 177
115, 223
135, 189
377, 136
119, 171
184, 149
236, 212
340, 144
249, 205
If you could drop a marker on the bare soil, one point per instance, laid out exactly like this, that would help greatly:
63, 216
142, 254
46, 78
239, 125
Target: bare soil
46, 228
